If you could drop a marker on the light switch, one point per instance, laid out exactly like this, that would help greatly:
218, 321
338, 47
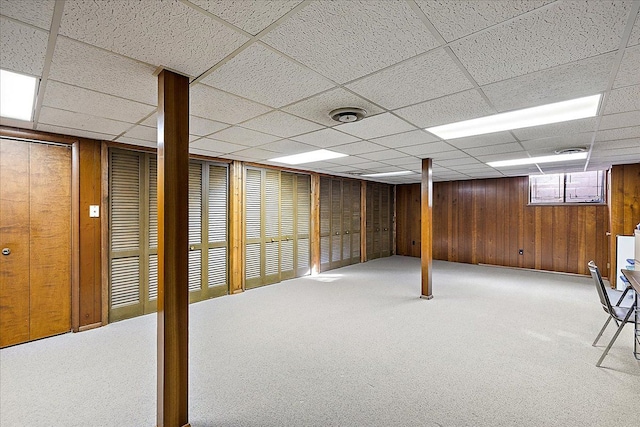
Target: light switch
94, 211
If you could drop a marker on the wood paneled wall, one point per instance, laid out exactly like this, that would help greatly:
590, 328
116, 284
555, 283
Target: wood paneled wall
488, 221
624, 204
90, 286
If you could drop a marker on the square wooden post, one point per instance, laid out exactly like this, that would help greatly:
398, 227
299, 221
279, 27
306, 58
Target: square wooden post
426, 225
173, 244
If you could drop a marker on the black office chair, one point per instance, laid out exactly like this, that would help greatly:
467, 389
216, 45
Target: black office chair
620, 315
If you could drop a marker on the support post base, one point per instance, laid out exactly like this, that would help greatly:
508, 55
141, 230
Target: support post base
426, 296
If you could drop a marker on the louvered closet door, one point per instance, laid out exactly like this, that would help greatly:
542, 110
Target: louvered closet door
325, 224
385, 220
369, 221
271, 227
217, 264
346, 223
125, 293
303, 209
253, 228
287, 230
151, 301
376, 221
336, 223
355, 222
195, 232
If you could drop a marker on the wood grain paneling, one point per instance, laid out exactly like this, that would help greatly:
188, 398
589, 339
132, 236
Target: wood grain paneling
90, 242
488, 221
624, 204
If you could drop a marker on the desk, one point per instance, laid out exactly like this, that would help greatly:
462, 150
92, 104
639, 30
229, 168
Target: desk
633, 276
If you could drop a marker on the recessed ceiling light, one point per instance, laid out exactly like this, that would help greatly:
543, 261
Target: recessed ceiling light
542, 159
311, 156
17, 95
377, 175
573, 109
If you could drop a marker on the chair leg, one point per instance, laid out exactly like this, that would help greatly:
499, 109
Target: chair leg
602, 330
623, 295
606, 350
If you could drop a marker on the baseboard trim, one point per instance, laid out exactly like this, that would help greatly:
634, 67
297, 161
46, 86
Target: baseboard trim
91, 326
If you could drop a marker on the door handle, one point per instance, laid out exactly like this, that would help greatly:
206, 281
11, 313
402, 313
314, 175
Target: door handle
386, 229
192, 248
337, 233
6, 251
346, 232
273, 240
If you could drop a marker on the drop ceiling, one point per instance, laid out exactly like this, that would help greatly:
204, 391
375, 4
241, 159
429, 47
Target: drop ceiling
265, 74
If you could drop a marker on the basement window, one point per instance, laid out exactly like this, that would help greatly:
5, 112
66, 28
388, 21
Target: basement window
567, 188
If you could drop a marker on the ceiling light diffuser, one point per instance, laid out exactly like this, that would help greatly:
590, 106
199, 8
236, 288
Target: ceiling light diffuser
311, 156
564, 111
17, 95
542, 159
377, 175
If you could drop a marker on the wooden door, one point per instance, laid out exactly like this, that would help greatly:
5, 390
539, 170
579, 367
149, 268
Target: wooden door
303, 217
355, 222
35, 226
325, 224
287, 226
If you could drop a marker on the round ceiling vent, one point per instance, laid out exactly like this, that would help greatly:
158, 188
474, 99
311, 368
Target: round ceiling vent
348, 114
571, 150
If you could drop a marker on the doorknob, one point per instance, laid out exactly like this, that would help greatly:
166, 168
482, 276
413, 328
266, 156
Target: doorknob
346, 232
6, 251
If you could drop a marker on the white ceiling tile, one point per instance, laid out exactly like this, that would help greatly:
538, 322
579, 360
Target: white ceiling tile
376, 126
216, 146
143, 132
257, 154
494, 149
543, 38
251, 16
419, 79
71, 98
502, 156
620, 120
285, 147
621, 133
369, 166
482, 140
359, 147
634, 39
318, 107
629, 71
581, 78
349, 160
216, 105
167, 33
52, 116
264, 76
281, 124
455, 19
556, 129
448, 109
408, 162
206, 153
139, 142
103, 71
22, 47
383, 155
34, 12
325, 138
426, 150
558, 142
453, 163
345, 40
405, 139
248, 137
75, 132
631, 146
623, 99
201, 127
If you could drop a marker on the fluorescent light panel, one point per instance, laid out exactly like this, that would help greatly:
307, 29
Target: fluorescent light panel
17, 95
542, 159
564, 111
311, 156
397, 173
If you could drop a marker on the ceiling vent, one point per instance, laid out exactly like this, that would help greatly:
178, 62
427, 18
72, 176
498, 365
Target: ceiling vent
571, 150
348, 114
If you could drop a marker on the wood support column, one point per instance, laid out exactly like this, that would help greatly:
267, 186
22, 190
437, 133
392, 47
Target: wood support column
315, 224
173, 244
363, 221
236, 230
426, 226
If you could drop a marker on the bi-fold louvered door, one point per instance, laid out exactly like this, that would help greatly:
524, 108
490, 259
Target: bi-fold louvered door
339, 223
133, 224
277, 206
379, 220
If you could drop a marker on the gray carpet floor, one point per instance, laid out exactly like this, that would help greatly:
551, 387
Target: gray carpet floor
351, 347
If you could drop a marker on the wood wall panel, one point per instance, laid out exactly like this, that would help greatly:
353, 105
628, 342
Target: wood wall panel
90, 242
488, 221
624, 204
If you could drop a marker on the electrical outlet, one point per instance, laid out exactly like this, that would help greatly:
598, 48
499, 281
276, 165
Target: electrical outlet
520, 251
94, 211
